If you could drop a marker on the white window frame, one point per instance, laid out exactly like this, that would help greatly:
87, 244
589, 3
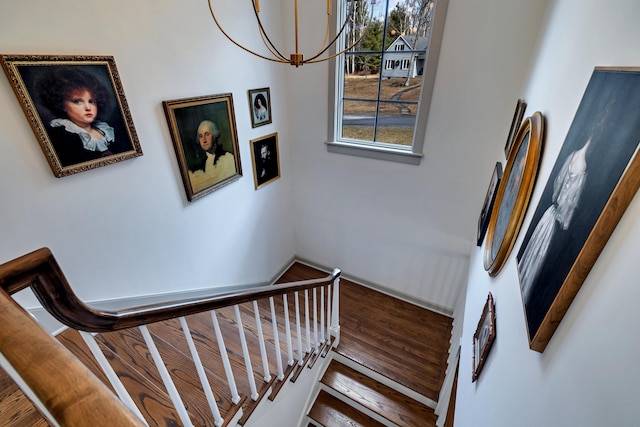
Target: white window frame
377, 150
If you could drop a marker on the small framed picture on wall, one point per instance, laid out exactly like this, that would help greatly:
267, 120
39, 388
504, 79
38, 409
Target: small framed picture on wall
260, 106
266, 160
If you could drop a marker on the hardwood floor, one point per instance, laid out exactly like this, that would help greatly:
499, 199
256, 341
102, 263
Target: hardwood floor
406, 343
400, 341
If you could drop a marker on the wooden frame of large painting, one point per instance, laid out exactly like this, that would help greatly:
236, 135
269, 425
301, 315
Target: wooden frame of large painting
76, 107
514, 193
595, 176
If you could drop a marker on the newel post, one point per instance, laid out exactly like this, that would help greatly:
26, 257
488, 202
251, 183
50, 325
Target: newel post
335, 311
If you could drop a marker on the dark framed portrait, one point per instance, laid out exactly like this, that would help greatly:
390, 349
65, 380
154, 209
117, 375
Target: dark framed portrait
489, 199
76, 107
483, 337
514, 193
593, 180
518, 114
203, 130
266, 159
260, 106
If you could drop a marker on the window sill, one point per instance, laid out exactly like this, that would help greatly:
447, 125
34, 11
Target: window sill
375, 152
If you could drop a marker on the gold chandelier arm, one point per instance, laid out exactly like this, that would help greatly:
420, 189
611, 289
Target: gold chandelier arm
265, 38
281, 59
323, 48
314, 60
335, 39
271, 49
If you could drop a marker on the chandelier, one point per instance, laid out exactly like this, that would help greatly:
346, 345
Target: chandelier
297, 58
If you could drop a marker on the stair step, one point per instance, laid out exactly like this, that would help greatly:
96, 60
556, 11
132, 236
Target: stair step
388, 403
328, 411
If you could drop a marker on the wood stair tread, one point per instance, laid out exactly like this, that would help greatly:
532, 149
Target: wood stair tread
330, 411
372, 338
377, 397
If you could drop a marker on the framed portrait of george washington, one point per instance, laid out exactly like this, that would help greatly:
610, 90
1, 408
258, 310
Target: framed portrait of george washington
203, 130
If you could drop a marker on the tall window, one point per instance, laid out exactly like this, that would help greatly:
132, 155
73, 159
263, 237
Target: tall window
383, 84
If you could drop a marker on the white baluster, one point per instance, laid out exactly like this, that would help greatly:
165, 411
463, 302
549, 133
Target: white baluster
322, 330
263, 350
245, 352
113, 378
315, 320
335, 314
299, 332
166, 378
328, 312
287, 328
306, 319
206, 387
276, 338
235, 397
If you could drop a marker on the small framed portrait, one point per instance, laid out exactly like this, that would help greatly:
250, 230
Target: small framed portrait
266, 160
76, 108
260, 106
483, 338
203, 130
487, 206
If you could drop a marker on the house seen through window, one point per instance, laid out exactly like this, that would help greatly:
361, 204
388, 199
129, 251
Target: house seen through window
379, 81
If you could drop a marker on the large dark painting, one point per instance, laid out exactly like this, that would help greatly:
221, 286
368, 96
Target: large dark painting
592, 182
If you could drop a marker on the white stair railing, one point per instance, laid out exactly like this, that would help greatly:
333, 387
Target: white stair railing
245, 353
235, 397
276, 337
299, 331
261, 340
306, 320
287, 325
113, 378
40, 272
166, 378
204, 382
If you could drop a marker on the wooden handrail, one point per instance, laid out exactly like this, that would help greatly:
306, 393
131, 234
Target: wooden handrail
40, 271
67, 389
73, 396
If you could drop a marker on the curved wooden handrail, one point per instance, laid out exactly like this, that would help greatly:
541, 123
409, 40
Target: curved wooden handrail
70, 393
40, 271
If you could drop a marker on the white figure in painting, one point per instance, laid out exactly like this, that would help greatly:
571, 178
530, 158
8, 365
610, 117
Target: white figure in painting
567, 189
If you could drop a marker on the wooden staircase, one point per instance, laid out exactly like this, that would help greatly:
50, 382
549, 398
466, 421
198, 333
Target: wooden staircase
387, 369
369, 401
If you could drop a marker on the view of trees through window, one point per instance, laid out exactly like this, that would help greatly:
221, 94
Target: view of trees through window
383, 71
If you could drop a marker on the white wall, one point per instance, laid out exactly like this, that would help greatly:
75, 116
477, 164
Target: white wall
412, 227
588, 375
127, 229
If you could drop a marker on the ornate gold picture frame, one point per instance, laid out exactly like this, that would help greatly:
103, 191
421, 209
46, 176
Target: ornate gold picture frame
514, 193
76, 107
